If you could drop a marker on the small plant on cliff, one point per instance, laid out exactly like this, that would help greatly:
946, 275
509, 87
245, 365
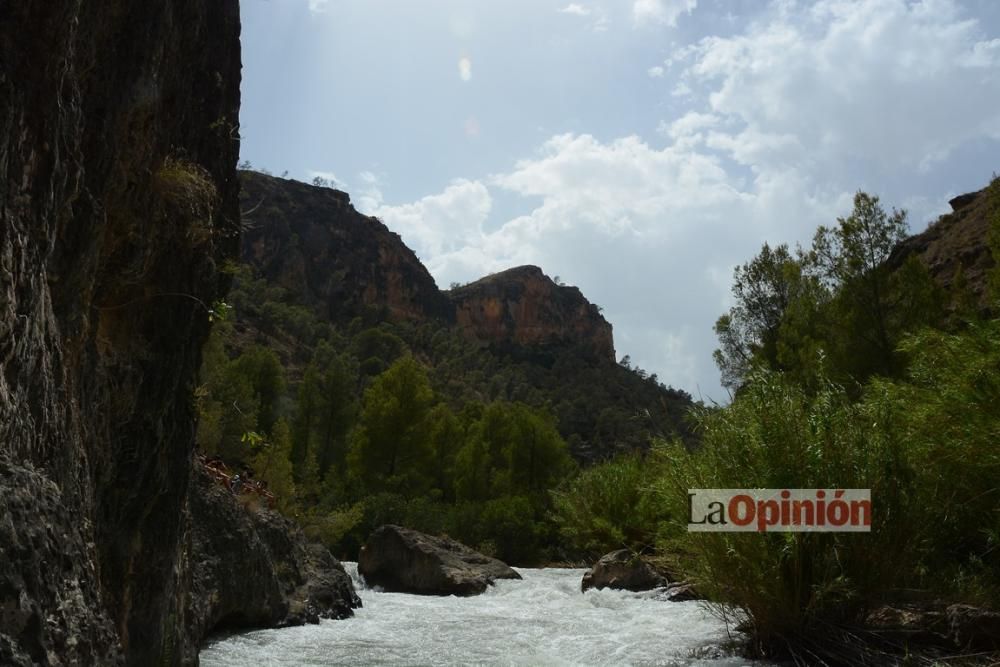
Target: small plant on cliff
189, 191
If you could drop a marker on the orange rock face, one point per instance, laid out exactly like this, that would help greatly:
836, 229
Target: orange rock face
524, 306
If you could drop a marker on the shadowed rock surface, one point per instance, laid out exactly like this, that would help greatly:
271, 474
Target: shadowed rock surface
407, 561
253, 568
118, 203
622, 570
44, 567
312, 242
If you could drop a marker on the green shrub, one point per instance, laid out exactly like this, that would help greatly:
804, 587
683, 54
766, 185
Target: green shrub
951, 415
609, 506
793, 586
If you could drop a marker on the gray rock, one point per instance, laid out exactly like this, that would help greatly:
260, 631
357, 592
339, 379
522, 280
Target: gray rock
253, 568
107, 271
408, 561
622, 570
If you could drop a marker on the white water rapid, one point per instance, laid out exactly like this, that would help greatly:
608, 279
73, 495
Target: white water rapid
541, 620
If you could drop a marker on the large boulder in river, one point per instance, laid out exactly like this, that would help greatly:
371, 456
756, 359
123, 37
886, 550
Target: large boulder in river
623, 570
407, 561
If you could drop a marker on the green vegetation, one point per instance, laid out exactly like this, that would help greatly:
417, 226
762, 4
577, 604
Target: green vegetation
610, 506
411, 422
850, 369
848, 373
836, 308
357, 435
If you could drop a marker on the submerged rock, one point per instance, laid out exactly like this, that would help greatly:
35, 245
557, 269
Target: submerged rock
254, 568
408, 561
681, 591
625, 570
622, 570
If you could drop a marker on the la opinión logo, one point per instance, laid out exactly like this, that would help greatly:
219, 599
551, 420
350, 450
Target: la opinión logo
787, 510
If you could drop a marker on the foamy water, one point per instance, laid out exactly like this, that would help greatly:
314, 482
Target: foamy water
541, 620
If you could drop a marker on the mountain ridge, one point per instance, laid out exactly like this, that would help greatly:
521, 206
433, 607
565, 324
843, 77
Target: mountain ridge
311, 261
357, 262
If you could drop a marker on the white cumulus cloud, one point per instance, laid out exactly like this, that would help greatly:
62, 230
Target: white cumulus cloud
575, 9
661, 11
775, 127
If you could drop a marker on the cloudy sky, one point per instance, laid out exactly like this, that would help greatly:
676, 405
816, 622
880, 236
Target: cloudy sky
639, 149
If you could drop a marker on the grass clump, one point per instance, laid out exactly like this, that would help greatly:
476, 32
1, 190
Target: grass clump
189, 192
775, 435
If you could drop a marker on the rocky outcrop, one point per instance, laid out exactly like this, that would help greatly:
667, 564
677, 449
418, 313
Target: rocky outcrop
406, 561
524, 306
310, 241
47, 571
118, 203
957, 239
622, 570
253, 568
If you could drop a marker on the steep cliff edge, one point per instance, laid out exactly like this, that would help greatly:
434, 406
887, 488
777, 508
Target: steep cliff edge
118, 203
314, 268
524, 306
312, 242
957, 240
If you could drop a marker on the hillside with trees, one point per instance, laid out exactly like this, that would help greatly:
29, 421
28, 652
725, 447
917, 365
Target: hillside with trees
363, 395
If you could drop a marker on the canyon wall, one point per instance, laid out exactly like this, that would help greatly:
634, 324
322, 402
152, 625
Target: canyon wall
118, 204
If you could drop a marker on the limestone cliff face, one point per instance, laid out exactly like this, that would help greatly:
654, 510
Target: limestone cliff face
312, 242
524, 306
118, 203
957, 239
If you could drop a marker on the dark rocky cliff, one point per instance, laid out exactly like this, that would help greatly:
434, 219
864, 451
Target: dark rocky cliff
524, 306
118, 203
254, 568
312, 242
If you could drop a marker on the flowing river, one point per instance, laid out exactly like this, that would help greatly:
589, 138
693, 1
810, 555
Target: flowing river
541, 620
